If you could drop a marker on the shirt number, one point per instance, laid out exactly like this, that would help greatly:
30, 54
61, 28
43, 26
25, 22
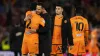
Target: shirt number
79, 26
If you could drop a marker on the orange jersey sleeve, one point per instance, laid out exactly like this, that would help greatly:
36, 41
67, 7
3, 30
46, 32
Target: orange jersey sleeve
42, 22
86, 32
28, 13
36, 21
28, 22
86, 27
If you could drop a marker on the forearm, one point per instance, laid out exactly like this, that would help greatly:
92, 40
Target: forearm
70, 36
43, 29
46, 28
26, 19
86, 35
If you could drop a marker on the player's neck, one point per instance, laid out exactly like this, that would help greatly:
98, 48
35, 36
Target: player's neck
78, 14
59, 15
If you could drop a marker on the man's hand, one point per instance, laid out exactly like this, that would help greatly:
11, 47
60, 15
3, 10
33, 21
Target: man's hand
28, 32
28, 17
31, 31
71, 47
44, 11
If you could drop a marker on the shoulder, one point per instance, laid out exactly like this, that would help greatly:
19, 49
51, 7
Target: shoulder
28, 12
72, 18
85, 20
53, 17
42, 20
31, 12
46, 14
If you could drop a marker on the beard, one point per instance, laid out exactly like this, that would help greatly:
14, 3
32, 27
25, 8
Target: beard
38, 12
57, 13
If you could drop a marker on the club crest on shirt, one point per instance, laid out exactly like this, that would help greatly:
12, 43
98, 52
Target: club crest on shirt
65, 21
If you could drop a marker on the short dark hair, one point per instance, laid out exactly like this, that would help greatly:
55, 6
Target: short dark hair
33, 6
79, 10
60, 5
40, 3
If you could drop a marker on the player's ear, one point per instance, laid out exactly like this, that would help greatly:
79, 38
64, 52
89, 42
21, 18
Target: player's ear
62, 9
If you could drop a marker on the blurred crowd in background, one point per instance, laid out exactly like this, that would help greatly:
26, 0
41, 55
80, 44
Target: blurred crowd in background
12, 13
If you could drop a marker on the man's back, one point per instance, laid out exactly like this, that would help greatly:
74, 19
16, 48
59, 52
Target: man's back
79, 26
80, 32
32, 23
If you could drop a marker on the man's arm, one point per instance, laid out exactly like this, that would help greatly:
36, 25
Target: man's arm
67, 39
47, 25
12, 35
86, 32
28, 17
41, 29
69, 32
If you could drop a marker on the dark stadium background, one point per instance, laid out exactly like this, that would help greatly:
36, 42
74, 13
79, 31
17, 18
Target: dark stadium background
12, 13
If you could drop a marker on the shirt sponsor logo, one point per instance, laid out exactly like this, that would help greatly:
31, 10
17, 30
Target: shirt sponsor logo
78, 35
